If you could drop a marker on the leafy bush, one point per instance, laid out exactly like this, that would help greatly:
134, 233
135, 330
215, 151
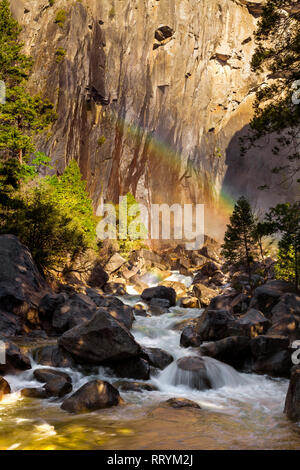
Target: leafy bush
61, 17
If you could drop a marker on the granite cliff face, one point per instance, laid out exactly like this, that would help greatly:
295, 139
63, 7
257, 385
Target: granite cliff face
152, 96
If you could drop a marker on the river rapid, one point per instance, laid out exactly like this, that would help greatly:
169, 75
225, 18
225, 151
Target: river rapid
241, 411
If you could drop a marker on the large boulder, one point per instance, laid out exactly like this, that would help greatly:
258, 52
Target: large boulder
251, 324
4, 388
15, 359
288, 305
123, 313
50, 302
204, 294
214, 325
277, 365
286, 326
92, 396
233, 350
267, 296
179, 403
264, 344
77, 309
157, 357
189, 337
102, 339
292, 402
160, 292
21, 284
98, 277
10, 324
191, 371
115, 262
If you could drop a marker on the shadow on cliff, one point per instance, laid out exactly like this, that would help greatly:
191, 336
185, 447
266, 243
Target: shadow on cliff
247, 173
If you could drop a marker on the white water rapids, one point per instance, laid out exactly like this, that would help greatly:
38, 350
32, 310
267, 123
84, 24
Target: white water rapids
239, 399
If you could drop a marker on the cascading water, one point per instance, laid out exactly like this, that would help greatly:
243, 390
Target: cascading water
238, 410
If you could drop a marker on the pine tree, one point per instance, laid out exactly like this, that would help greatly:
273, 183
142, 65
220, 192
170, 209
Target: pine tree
239, 247
22, 115
285, 219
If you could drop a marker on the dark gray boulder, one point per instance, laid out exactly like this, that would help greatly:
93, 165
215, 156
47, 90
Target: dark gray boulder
157, 357
264, 344
92, 396
267, 296
78, 309
101, 340
214, 325
250, 324
134, 368
160, 292
191, 371
179, 403
4, 388
233, 350
15, 359
53, 356
189, 338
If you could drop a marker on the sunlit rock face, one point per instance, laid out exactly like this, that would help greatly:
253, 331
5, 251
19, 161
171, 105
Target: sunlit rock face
151, 96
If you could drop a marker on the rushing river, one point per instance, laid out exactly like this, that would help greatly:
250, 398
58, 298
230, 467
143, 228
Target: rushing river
242, 411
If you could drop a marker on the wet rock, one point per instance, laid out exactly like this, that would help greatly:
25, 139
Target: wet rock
98, 276
157, 357
58, 387
191, 371
233, 350
53, 356
10, 324
46, 375
267, 296
208, 270
204, 294
94, 395
221, 302
125, 386
181, 403
289, 305
15, 359
277, 365
217, 279
21, 284
214, 325
189, 338
135, 368
292, 402
190, 302
34, 393
100, 340
123, 313
251, 324
160, 292
78, 309
115, 262
4, 388
287, 326
264, 344
178, 287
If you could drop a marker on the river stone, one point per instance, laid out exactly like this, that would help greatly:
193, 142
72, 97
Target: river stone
50, 302
189, 338
134, 368
267, 296
92, 396
289, 305
251, 324
265, 344
102, 339
278, 364
115, 262
292, 402
160, 292
134, 386
190, 302
191, 371
34, 392
287, 326
233, 350
214, 325
178, 403
4, 388
21, 284
157, 357
46, 375
58, 387
159, 306
78, 309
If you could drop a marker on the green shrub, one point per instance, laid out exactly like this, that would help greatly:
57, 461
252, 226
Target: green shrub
61, 17
59, 55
